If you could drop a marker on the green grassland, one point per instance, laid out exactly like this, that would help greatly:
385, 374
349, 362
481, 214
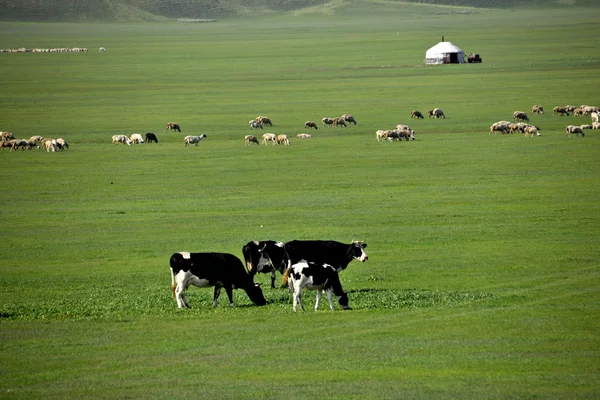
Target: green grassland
483, 271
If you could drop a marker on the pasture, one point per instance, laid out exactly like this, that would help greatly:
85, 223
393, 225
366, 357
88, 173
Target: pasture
483, 273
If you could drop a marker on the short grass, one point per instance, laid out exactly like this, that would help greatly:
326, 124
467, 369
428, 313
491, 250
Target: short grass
483, 274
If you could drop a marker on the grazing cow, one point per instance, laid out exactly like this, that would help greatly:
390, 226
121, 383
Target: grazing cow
266, 256
151, 137
220, 270
348, 118
250, 139
573, 129
329, 252
283, 139
537, 109
136, 138
269, 137
327, 121
310, 124
264, 120
304, 136
254, 124
416, 114
436, 113
172, 126
339, 122
520, 116
122, 139
189, 140
560, 110
316, 276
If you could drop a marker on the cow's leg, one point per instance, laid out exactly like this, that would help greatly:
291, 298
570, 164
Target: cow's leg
216, 295
330, 298
180, 296
229, 291
298, 298
318, 300
273, 276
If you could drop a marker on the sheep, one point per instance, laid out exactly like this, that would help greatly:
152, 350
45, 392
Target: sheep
436, 113
589, 109
595, 125
573, 129
172, 126
16, 143
50, 145
382, 134
586, 127
595, 116
254, 124
560, 110
189, 140
250, 139
348, 118
136, 138
500, 126
310, 124
264, 120
151, 137
62, 143
283, 139
578, 112
339, 121
570, 108
327, 121
122, 139
7, 143
269, 137
537, 109
36, 138
304, 136
7, 136
532, 131
416, 114
520, 116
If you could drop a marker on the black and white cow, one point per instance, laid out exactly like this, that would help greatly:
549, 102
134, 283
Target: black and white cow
221, 270
319, 277
329, 252
265, 256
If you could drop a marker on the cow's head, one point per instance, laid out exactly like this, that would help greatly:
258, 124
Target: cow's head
265, 256
358, 252
256, 295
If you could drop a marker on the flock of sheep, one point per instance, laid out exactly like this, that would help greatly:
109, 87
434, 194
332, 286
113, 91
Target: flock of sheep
8, 140
521, 121
400, 132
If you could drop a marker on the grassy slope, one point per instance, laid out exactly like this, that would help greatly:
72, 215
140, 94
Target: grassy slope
483, 274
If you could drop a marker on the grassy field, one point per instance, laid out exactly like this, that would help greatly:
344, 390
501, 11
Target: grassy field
483, 274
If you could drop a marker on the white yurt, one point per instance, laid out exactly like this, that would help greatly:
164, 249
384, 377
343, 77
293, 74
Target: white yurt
444, 53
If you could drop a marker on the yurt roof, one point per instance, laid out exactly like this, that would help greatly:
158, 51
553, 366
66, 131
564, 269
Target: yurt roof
443, 48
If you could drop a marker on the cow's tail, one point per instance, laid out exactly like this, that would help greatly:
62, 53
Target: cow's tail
285, 277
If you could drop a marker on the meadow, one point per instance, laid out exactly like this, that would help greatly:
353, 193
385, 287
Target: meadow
483, 273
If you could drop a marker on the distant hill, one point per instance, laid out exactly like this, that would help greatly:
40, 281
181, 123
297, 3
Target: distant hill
149, 10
